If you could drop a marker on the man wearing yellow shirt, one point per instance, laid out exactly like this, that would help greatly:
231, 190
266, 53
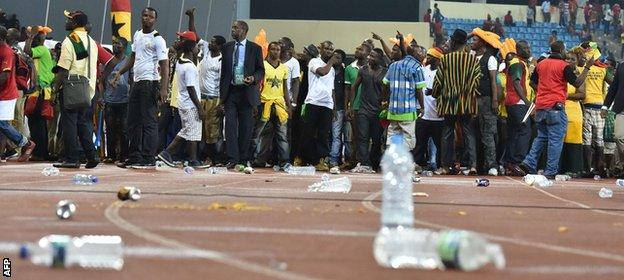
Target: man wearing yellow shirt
273, 111
593, 119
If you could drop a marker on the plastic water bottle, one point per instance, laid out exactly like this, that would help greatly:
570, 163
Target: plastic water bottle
468, 251
563, 178
50, 171
160, 165
619, 183
84, 179
605, 193
301, 170
537, 180
397, 208
87, 251
217, 170
427, 173
597, 177
65, 209
406, 247
340, 185
188, 170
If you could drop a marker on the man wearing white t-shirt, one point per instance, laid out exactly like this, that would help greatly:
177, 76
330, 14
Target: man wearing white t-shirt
484, 45
149, 62
294, 69
319, 105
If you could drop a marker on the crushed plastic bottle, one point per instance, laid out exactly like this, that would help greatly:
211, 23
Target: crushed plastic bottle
619, 183
50, 171
563, 177
597, 177
188, 170
339, 185
301, 170
481, 183
87, 251
427, 173
84, 179
160, 165
249, 170
65, 209
537, 180
217, 170
605, 193
276, 168
131, 193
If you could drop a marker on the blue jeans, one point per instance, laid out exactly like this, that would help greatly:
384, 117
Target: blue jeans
551, 128
263, 140
433, 153
12, 134
336, 145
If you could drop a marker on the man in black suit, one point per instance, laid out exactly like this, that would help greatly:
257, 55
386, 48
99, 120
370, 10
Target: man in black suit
242, 68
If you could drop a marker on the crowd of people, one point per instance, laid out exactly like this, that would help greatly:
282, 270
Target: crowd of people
472, 105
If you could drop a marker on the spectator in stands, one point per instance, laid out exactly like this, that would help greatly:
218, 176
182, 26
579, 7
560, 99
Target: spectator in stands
427, 19
616, 9
573, 11
488, 24
551, 77
498, 28
553, 37
564, 12
485, 46
546, 10
530, 17
608, 18
508, 21
437, 15
532, 4
587, 10
455, 90
42, 58
517, 102
8, 98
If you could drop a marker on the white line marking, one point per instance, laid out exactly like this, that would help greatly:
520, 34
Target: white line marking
322, 232
367, 202
112, 214
574, 270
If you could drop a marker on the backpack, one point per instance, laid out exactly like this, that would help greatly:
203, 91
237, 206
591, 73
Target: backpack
25, 73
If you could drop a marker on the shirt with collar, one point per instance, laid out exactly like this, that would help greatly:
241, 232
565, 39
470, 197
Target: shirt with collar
242, 45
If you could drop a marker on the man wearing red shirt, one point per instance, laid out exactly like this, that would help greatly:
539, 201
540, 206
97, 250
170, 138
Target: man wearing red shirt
8, 98
427, 18
551, 76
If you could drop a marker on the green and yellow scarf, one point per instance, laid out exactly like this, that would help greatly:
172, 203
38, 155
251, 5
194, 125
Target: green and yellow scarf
79, 47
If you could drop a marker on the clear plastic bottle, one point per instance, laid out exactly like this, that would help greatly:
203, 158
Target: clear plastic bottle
217, 170
50, 171
84, 179
301, 170
427, 173
397, 207
605, 193
619, 183
188, 170
467, 251
563, 177
406, 247
160, 165
87, 251
341, 185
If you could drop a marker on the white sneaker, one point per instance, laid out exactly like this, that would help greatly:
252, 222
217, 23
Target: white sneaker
334, 170
493, 172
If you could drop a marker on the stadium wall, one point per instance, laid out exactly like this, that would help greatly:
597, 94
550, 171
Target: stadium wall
345, 35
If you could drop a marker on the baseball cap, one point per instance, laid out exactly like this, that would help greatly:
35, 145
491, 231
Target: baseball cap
189, 35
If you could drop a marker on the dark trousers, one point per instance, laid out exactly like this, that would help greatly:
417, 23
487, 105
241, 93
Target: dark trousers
239, 125
487, 130
143, 121
77, 130
39, 134
518, 134
426, 129
316, 131
117, 130
370, 130
448, 140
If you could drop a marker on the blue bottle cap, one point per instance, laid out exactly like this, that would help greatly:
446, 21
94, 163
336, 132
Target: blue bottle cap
396, 139
24, 253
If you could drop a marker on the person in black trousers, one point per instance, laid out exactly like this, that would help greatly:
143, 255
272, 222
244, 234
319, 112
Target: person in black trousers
242, 68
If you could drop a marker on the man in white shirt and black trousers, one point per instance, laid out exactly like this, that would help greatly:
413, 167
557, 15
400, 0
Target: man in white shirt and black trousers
242, 69
150, 65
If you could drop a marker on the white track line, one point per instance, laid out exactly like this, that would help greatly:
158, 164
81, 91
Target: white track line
112, 214
567, 200
263, 230
572, 270
367, 202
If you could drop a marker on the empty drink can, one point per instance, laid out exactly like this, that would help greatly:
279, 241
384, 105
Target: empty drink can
482, 182
65, 209
131, 193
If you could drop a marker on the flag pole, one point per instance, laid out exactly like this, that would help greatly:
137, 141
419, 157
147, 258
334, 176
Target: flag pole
47, 13
103, 21
181, 13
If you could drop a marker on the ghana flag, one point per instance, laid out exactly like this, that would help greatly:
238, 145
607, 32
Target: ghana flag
120, 19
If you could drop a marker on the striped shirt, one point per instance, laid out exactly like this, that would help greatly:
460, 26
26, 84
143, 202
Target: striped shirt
404, 77
455, 84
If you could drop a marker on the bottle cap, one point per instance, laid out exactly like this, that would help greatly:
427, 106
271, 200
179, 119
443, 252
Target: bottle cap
23, 252
396, 139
